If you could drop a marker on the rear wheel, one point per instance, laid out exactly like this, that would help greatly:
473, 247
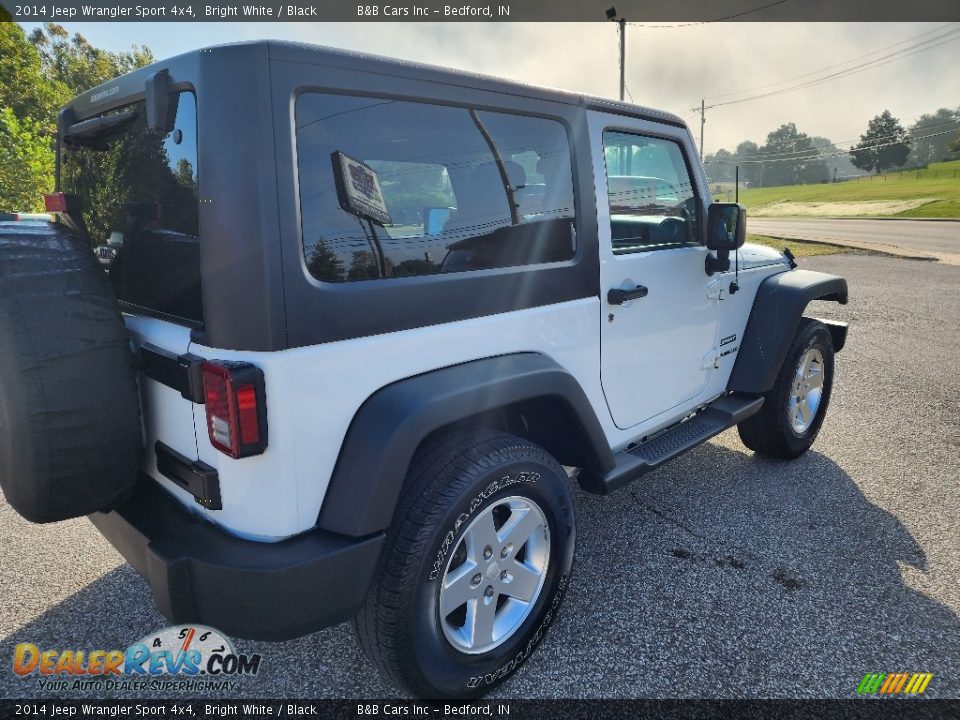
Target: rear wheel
475, 566
795, 406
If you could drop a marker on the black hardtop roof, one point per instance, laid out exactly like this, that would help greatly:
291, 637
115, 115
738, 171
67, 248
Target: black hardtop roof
283, 50
348, 59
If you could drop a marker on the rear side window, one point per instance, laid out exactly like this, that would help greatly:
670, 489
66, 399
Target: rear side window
456, 189
139, 191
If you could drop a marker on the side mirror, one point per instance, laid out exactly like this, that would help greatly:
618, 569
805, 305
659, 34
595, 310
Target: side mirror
434, 219
726, 231
726, 226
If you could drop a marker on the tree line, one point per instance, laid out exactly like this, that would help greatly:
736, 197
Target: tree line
791, 157
39, 74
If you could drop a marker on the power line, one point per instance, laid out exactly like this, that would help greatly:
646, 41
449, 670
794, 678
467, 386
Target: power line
839, 75
784, 153
708, 22
930, 43
346, 112
905, 121
822, 157
838, 153
870, 65
831, 67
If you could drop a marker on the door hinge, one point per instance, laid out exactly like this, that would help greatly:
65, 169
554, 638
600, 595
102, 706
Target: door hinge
194, 476
711, 359
715, 290
180, 372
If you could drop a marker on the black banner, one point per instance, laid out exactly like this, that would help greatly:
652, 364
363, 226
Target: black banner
648, 12
853, 709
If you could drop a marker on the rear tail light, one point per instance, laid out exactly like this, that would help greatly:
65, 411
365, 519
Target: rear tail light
236, 408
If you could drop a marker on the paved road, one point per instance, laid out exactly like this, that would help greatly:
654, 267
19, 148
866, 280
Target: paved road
719, 575
919, 237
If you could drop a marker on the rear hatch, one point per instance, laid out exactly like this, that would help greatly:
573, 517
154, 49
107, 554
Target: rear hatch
138, 189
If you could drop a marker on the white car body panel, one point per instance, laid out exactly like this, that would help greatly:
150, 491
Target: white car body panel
167, 416
313, 393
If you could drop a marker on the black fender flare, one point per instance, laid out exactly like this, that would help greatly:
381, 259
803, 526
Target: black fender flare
774, 319
392, 423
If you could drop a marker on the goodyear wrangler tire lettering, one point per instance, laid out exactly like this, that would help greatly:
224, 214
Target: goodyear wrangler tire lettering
474, 504
503, 671
419, 636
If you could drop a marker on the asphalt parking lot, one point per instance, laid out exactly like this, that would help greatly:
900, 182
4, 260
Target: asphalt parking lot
720, 575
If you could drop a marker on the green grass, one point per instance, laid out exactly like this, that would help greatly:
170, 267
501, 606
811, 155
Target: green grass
799, 248
939, 180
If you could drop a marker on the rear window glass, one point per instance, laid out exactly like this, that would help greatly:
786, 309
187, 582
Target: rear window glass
454, 189
139, 192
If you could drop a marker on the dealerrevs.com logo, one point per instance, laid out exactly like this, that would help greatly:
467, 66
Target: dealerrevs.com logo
181, 657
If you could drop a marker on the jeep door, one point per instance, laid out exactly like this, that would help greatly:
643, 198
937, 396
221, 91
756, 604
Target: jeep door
658, 321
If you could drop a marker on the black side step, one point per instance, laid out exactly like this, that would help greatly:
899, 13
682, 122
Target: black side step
640, 459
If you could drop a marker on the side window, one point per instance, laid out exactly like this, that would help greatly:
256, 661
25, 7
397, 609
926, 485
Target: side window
460, 189
653, 204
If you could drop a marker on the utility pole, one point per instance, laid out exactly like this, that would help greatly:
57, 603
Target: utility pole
623, 56
622, 22
703, 121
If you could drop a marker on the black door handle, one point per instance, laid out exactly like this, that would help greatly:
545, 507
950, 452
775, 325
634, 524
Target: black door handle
616, 296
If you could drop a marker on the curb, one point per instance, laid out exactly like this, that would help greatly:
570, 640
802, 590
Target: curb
882, 248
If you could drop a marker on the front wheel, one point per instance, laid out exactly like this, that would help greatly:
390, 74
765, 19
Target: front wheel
475, 565
795, 406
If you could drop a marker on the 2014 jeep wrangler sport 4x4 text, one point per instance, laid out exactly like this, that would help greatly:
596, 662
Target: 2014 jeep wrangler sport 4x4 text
367, 323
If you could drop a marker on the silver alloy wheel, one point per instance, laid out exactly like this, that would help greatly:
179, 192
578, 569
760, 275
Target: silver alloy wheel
495, 575
806, 392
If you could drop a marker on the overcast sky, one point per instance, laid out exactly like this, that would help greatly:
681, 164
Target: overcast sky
667, 68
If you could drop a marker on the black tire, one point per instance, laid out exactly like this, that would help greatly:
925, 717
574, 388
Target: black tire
70, 432
770, 432
452, 482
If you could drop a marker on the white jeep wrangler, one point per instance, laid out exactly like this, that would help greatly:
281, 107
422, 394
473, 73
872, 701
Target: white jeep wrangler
367, 322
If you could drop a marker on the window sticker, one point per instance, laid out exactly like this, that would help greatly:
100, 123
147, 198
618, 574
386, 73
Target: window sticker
358, 189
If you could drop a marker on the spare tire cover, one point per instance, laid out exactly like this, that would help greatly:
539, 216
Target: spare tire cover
70, 433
